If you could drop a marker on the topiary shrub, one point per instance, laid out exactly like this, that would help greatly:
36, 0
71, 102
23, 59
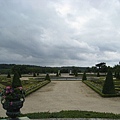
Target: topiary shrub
19, 74
108, 87
8, 75
98, 74
37, 74
34, 74
118, 75
76, 74
57, 75
115, 74
47, 77
84, 76
16, 82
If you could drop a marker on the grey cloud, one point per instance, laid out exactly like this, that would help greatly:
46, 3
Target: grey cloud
57, 33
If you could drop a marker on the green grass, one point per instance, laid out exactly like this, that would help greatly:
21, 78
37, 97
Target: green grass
72, 114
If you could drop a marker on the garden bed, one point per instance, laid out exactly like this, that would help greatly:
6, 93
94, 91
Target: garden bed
35, 87
97, 86
28, 85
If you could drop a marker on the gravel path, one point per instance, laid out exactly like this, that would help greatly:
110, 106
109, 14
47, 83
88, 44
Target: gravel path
64, 95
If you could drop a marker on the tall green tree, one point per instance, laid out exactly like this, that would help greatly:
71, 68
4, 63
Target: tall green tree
108, 87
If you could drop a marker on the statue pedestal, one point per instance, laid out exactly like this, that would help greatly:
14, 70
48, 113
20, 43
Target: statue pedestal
19, 118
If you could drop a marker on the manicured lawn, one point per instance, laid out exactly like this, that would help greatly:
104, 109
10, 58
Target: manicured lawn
72, 114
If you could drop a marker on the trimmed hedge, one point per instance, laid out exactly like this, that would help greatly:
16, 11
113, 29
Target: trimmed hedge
36, 87
84, 76
72, 114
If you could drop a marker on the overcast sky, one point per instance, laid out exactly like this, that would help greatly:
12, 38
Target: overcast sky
60, 32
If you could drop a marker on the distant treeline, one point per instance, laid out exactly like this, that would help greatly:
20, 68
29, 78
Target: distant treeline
26, 69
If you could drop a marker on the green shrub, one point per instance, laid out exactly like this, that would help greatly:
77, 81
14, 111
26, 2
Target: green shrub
57, 75
47, 77
76, 74
72, 114
16, 82
34, 74
108, 87
84, 76
98, 74
118, 75
8, 76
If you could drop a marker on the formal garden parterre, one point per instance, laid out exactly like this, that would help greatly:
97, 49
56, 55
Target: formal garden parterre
98, 83
29, 86
35, 83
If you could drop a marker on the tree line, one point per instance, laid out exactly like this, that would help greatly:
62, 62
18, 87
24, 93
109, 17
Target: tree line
26, 69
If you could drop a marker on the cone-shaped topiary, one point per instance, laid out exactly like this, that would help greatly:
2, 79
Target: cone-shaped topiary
34, 74
118, 75
108, 87
47, 77
98, 74
84, 76
115, 74
16, 82
19, 73
8, 76
76, 74
57, 75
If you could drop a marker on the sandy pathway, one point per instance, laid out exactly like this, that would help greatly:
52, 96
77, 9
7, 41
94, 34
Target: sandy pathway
72, 95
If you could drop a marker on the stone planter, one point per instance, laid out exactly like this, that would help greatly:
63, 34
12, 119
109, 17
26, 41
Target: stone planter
13, 107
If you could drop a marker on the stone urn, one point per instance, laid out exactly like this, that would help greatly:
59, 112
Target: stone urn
13, 108
12, 100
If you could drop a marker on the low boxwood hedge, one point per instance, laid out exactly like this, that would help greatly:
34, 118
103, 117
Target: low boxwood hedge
72, 114
36, 87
